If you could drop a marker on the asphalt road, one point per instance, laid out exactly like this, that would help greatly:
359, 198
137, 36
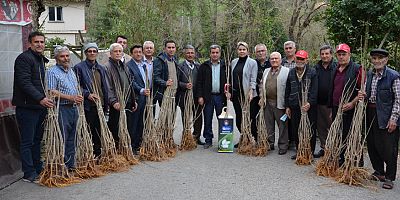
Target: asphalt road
206, 174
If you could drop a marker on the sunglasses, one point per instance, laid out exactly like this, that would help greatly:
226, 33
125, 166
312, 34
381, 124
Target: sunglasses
91, 51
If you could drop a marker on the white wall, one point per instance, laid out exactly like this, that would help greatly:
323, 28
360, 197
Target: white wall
73, 20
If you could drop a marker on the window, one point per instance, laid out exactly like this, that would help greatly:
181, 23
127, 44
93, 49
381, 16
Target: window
55, 14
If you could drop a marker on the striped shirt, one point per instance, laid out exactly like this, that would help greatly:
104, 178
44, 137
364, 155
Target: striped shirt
63, 81
396, 90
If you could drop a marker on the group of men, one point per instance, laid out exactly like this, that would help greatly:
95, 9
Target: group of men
132, 78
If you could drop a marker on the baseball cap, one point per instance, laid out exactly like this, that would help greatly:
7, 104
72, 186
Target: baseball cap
343, 47
302, 54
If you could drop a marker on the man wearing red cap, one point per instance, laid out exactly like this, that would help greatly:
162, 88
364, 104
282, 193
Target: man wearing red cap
299, 77
345, 78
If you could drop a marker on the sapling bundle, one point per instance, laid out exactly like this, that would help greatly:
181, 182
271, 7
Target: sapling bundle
246, 141
166, 122
150, 148
55, 172
329, 164
187, 142
350, 172
84, 157
125, 146
304, 154
262, 145
109, 159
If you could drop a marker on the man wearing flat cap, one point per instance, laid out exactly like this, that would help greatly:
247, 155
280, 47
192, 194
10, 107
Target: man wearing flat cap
346, 78
92, 80
383, 97
300, 77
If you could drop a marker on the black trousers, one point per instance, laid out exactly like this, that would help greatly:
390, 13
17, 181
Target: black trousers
92, 118
254, 108
347, 119
113, 123
198, 117
295, 122
382, 146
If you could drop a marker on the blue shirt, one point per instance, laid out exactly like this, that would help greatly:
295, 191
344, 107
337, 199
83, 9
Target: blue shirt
62, 80
216, 68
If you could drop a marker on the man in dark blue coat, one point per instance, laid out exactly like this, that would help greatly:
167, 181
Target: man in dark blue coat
92, 80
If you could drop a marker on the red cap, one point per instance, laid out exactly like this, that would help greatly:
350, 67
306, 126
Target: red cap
302, 54
343, 47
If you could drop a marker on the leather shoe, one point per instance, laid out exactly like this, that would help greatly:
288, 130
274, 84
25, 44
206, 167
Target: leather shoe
236, 145
319, 154
282, 151
207, 145
199, 142
271, 148
294, 157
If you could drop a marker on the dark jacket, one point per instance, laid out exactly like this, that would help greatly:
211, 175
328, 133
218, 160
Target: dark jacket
84, 71
261, 69
184, 73
324, 83
293, 92
138, 82
204, 81
29, 80
385, 96
160, 72
112, 74
350, 78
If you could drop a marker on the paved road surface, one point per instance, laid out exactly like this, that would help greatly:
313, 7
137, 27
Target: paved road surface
206, 174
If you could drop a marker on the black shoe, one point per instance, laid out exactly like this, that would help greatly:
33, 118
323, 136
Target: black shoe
207, 145
32, 179
236, 145
319, 154
282, 151
199, 142
294, 157
271, 147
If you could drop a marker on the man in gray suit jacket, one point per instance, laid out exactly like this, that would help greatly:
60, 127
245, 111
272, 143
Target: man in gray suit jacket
188, 70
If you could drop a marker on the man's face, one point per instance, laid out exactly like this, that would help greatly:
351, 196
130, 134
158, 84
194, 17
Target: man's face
215, 55
137, 54
190, 55
379, 61
123, 42
170, 49
116, 53
37, 44
242, 51
261, 53
300, 62
63, 59
343, 57
326, 55
275, 60
91, 54
148, 50
289, 50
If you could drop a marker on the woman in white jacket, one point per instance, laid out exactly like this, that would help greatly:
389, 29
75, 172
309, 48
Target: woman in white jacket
243, 80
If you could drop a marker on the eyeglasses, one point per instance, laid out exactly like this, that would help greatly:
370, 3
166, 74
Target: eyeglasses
91, 51
288, 47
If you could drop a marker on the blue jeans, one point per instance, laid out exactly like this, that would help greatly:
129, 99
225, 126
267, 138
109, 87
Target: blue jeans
68, 116
30, 124
216, 102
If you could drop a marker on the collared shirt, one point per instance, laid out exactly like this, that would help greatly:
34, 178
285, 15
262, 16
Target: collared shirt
396, 90
149, 67
62, 80
191, 65
216, 70
288, 64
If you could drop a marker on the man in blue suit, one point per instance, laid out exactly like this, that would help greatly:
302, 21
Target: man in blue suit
141, 85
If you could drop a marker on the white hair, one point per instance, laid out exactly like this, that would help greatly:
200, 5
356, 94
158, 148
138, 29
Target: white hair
277, 53
260, 45
114, 45
289, 43
59, 49
148, 43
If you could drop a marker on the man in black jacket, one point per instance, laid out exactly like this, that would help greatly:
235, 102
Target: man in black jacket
211, 80
188, 71
163, 65
31, 103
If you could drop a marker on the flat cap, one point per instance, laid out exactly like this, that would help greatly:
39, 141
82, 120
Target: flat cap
382, 52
